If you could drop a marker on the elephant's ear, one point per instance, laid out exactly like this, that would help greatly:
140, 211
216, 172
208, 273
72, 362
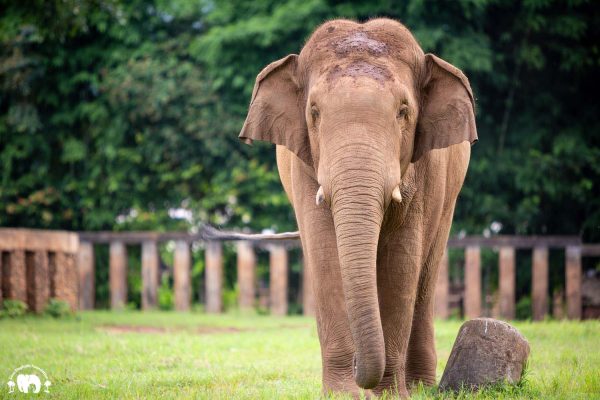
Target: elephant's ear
276, 114
448, 108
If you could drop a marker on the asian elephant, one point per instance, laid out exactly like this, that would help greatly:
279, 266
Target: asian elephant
373, 142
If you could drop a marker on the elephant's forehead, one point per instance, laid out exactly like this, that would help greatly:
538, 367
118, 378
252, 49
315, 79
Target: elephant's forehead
380, 49
349, 44
359, 42
355, 69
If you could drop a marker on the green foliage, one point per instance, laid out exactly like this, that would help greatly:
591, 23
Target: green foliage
523, 308
112, 117
58, 309
230, 299
128, 109
165, 294
13, 308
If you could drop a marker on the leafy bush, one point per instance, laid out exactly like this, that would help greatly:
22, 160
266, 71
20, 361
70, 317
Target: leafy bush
13, 309
165, 294
198, 308
523, 308
230, 299
58, 309
294, 308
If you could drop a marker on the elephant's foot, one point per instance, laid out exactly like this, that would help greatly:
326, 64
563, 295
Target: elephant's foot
391, 387
390, 393
345, 386
421, 359
414, 379
356, 392
420, 367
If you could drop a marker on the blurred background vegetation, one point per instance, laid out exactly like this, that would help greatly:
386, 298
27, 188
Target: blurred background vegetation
121, 115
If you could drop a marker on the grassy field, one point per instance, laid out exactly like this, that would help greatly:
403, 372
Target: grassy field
170, 355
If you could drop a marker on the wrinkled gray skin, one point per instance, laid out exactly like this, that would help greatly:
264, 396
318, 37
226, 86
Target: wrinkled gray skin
385, 131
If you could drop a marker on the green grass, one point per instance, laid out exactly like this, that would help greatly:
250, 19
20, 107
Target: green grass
248, 357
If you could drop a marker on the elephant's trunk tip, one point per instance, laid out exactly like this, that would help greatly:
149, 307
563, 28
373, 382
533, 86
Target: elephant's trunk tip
368, 377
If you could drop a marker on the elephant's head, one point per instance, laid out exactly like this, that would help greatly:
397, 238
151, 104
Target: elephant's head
359, 104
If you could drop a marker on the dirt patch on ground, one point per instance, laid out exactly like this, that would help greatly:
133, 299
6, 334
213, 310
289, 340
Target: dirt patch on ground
221, 329
202, 330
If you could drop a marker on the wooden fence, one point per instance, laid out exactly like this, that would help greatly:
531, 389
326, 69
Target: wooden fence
506, 245
16, 244
37, 265
246, 263
213, 278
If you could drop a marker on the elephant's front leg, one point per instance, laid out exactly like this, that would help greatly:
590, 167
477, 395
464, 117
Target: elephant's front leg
441, 186
421, 357
398, 263
321, 255
337, 347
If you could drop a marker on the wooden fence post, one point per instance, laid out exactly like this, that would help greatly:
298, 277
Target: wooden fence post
573, 281
118, 275
472, 282
65, 278
38, 280
181, 276
15, 282
308, 296
507, 282
278, 280
149, 275
246, 266
539, 283
442, 288
214, 277
87, 271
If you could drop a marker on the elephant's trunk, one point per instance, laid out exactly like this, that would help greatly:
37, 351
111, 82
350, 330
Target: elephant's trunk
357, 205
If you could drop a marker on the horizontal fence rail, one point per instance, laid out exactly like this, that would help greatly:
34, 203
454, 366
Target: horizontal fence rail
14, 241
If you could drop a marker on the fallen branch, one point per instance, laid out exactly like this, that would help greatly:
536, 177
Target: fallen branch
208, 233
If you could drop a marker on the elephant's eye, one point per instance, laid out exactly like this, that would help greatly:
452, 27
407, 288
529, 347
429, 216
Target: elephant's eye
402, 111
314, 112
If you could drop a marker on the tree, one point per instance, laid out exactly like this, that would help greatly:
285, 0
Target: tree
115, 108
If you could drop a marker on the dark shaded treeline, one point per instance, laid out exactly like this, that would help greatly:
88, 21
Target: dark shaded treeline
129, 109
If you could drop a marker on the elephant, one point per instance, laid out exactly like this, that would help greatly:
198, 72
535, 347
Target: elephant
373, 139
24, 381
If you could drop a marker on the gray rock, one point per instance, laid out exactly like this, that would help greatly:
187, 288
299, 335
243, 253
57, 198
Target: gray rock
486, 351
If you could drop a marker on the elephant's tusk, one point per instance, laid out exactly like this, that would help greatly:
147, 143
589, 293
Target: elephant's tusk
396, 195
320, 196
